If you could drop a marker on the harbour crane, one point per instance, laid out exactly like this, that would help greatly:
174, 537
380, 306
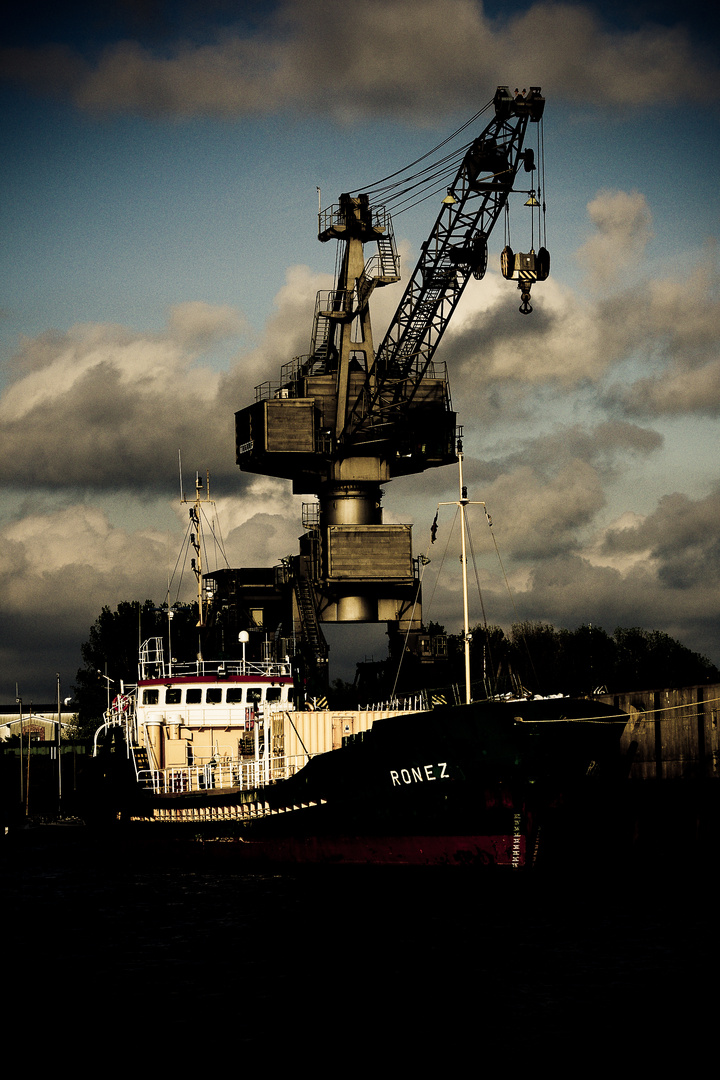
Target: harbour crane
346, 418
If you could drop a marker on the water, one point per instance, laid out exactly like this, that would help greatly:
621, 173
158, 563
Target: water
347, 960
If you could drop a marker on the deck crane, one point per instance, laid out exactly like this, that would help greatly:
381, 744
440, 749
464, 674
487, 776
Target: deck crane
347, 418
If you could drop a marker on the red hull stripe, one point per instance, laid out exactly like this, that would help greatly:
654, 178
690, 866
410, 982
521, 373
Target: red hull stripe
386, 850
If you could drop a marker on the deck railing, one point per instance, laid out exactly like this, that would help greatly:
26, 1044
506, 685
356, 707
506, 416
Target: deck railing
218, 775
153, 665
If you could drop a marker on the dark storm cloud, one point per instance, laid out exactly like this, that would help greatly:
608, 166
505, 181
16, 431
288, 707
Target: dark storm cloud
606, 446
682, 535
57, 570
106, 408
403, 57
675, 324
678, 593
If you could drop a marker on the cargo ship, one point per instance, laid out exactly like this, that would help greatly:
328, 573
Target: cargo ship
225, 750
216, 751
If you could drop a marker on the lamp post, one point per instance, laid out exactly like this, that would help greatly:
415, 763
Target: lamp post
243, 638
108, 681
57, 676
18, 701
170, 615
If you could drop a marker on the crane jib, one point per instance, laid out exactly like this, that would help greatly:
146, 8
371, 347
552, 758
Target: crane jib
456, 248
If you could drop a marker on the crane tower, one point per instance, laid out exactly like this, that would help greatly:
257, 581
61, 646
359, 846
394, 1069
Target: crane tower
349, 416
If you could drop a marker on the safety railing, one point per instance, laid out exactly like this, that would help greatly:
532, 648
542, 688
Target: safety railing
154, 666
218, 775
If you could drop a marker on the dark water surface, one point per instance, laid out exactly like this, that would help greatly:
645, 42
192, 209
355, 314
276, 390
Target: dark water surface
389, 961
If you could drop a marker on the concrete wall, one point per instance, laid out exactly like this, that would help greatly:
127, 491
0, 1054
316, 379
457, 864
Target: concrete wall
676, 732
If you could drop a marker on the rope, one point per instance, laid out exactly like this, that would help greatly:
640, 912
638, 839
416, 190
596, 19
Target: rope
603, 719
407, 632
376, 184
674, 708
574, 719
444, 556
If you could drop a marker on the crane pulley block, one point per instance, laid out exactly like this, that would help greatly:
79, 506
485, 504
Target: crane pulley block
522, 266
472, 256
520, 103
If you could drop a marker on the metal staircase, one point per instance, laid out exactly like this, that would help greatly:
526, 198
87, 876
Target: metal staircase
331, 306
313, 637
388, 258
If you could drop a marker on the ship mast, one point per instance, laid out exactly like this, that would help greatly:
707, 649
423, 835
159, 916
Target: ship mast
196, 563
462, 503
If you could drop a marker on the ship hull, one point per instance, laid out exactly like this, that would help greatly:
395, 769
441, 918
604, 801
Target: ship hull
463, 785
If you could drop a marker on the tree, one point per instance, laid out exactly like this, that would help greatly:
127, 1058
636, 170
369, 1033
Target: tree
546, 660
112, 650
651, 659
538, 656
590, 656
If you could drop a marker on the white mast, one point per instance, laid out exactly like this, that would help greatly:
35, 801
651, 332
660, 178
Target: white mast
462, 503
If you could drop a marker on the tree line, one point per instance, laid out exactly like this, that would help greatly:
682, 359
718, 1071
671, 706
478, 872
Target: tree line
546, 660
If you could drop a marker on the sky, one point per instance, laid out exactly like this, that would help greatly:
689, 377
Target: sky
158, 180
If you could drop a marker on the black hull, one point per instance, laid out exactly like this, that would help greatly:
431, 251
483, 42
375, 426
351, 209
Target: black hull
462, 785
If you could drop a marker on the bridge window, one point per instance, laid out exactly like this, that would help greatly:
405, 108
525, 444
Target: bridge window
150, 697
173, 696
234, 695
273, 693
193, 696
213, 695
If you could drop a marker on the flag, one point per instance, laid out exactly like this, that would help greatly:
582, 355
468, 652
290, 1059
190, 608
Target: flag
434, 528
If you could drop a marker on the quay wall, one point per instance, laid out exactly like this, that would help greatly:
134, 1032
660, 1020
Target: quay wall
671, 734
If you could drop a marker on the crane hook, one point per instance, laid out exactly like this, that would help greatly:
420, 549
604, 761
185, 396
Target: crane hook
525, 307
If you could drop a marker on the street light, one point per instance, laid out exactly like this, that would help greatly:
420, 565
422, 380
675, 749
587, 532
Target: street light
108, 681
243, 638
170, 615
18, 701
59, 747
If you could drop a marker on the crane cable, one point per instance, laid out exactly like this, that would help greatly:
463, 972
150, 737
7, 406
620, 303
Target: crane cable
430, 174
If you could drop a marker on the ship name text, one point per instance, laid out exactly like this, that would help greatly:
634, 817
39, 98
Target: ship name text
418, 774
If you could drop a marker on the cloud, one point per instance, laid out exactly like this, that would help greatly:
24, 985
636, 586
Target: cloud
499, 360
661, 571
680, 538
58, 569
534, 520
624, 225
676, 325
545, 494
104, 407
197, 325
607, 446
666, 327
412, 58
261, 526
